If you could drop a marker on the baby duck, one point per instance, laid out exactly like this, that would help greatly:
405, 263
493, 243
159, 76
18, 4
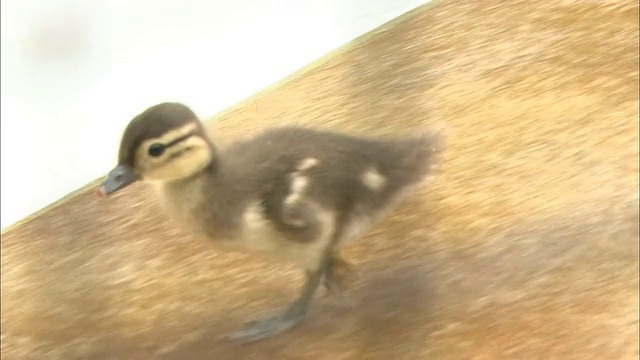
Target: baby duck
292, 193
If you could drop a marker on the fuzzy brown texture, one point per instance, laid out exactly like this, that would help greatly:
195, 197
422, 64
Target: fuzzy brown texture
524, 247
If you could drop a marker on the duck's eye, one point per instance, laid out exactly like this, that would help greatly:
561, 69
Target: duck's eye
156, 150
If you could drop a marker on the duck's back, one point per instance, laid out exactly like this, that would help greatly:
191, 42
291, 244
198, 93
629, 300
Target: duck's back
340, 171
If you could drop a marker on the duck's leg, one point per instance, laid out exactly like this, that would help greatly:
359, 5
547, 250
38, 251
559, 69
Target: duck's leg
338, 271
286, 320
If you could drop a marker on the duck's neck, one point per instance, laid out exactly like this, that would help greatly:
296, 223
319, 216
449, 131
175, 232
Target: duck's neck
196, 186
203, 201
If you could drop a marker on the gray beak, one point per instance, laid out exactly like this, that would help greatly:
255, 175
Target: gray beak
118, 178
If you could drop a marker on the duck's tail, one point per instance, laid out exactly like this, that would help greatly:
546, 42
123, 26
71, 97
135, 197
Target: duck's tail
423, 150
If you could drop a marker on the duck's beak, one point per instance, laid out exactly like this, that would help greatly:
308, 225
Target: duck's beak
118, 178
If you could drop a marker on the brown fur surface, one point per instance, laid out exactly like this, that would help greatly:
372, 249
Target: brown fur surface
524, 247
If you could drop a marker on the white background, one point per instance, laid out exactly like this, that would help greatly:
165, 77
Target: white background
74, 72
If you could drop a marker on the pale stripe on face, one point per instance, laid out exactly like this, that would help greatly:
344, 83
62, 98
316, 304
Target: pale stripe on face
185, 153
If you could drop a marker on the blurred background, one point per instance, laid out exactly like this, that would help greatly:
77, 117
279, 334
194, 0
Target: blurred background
75, 72
524, 246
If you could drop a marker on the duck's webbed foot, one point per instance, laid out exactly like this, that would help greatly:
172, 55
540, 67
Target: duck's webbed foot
292, 316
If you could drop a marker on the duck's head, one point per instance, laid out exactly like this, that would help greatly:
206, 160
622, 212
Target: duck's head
166, 142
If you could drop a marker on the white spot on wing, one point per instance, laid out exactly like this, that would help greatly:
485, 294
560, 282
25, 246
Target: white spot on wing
373, 179
307, 164
298, 184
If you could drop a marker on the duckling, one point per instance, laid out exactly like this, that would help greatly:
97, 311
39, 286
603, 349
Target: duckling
292, 193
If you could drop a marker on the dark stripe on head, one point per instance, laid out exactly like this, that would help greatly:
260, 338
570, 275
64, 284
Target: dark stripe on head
152, 123
180, 139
